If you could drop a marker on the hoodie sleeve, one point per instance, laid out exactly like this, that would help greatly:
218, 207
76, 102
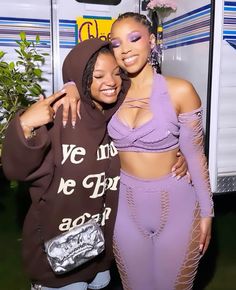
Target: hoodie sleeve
22, 159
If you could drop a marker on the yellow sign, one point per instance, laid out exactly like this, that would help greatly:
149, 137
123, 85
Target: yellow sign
93, 28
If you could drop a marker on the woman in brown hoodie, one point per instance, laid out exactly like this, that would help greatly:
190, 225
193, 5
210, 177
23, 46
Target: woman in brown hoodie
69, 168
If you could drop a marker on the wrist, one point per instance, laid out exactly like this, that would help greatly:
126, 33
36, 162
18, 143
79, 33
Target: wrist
29, 131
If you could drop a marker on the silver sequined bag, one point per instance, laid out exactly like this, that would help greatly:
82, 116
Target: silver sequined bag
75, 247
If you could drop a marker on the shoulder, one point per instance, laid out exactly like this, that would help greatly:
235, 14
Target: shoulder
183, 94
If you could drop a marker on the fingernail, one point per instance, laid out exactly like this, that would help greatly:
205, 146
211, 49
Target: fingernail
73, 124
178, 177
63, 91
69, 83
201, 248
64, 124
173, 174
173, 169
79, 116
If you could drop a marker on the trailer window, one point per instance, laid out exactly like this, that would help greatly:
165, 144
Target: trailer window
103, 2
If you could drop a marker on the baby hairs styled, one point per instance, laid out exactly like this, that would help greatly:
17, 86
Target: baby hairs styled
140, 18
137, 17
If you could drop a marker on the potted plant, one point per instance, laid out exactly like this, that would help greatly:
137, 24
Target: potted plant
20, 80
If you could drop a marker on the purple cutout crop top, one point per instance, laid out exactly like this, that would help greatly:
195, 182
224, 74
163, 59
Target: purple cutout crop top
166, 131
159, 134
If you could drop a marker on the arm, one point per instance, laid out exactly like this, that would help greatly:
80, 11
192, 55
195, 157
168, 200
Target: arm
20, 156
191, 141
191, 144
23, 154
70, 102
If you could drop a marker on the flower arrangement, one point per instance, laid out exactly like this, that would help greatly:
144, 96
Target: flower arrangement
162, 7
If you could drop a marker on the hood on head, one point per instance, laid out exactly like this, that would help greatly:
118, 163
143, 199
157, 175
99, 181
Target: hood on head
77, 59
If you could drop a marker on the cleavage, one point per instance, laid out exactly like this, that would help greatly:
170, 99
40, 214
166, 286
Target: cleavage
135, 113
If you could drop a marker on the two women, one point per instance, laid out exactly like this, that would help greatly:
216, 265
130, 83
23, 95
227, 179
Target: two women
163, 224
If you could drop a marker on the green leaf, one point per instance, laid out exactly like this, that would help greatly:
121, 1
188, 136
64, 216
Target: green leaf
14, 184
38, 72
11, 65
35, 91
38, 58
37, 39
22, 35
19, 62
2, 53
3, 64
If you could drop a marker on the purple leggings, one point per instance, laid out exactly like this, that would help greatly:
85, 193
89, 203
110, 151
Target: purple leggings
157, 233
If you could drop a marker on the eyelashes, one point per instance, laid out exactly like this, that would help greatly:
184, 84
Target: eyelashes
132, 37
115, 43
100, 76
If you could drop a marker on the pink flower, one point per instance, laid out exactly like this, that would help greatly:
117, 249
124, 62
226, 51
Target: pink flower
157, 4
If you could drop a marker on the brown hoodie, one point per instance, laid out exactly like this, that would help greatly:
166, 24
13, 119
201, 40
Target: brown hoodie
68, 169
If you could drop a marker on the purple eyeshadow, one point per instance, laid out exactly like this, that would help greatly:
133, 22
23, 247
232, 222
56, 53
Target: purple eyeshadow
115, 43
133, 36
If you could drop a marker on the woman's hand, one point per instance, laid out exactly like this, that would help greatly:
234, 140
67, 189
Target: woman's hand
39, 114
205, 234
180, 168
71, 101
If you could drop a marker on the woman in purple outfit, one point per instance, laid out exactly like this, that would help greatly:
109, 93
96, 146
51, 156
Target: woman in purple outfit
163, 225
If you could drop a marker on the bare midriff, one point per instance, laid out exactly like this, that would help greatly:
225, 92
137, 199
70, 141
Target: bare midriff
148, 165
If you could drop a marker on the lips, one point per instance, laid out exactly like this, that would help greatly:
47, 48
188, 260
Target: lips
109, 92
130, 60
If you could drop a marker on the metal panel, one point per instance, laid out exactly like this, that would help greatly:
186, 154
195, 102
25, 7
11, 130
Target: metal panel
226, 123
226, 184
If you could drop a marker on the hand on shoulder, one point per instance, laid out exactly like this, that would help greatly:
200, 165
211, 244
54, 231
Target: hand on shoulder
183, 95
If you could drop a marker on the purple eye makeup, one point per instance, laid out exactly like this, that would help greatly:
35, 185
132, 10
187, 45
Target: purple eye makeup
134, 36
115, 43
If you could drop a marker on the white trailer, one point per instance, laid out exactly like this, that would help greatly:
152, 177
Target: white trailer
199, 45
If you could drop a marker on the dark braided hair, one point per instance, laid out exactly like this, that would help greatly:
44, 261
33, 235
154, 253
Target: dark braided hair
88, 72
142, 19
137, 17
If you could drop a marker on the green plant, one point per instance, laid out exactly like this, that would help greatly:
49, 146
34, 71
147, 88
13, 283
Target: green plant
20, 80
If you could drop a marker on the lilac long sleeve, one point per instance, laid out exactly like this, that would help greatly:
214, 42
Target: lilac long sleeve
191, 143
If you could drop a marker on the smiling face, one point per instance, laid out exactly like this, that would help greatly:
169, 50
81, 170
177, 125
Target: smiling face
131, 42
106, 80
